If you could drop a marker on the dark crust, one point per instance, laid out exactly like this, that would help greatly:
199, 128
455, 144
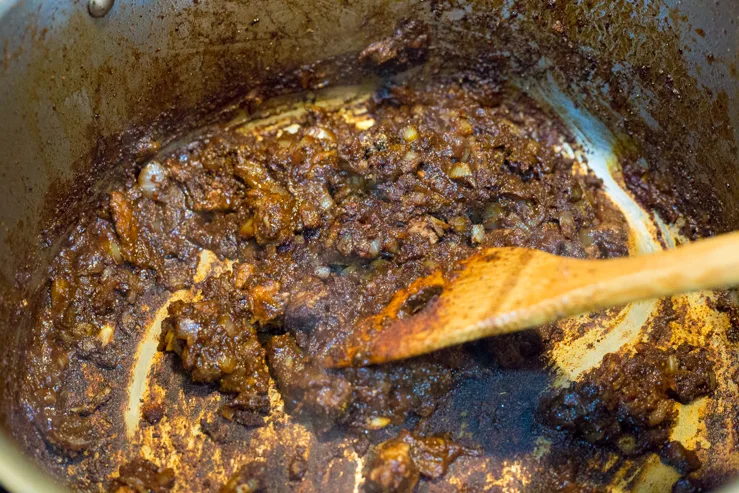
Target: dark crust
628, 402
142, 476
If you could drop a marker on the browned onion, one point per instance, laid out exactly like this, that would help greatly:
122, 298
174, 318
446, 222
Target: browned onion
151, 179
410, 133
460, 170
478, 233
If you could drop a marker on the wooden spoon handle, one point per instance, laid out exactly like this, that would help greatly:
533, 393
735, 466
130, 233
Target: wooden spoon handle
705, 264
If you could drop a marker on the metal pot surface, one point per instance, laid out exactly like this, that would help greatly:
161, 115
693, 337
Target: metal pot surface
648, 88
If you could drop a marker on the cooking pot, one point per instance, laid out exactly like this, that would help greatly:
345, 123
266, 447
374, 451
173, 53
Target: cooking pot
648, 88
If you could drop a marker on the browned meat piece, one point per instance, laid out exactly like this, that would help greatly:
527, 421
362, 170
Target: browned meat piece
123, 217
433, 455
367, 398
605, 240
391, 469
153, 412
287, 361
396, 391
359, 240
89, 287
206, 193
152, 236
216, 344
274, 221
362, 229
207, 177
219, 233
267, 302
395, 464
135, 245
527, 161
683, 460
308, 389
142, 476
694, 376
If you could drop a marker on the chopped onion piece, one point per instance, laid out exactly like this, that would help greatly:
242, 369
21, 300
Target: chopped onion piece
59, 291
246, 230
627, 444
672, 364
114, 250
188, 329
411, 156
575, 193
430, 264
586, 236
460, 170
226, 363
493, 212
438, 226
365, 124
464, 127
325, 200
321, 133
478, 233
374, 248
379, 264
227, 322
292, 129
459, 223
567, 224
151, 179
378, 423
105, 336
392, 246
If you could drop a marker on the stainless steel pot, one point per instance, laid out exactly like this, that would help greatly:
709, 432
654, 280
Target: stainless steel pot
82, 93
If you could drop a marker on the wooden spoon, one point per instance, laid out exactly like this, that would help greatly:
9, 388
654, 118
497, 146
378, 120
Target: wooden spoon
503, 290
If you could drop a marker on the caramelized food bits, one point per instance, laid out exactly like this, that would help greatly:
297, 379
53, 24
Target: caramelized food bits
628, 402
216, 343
143, 476
396, 464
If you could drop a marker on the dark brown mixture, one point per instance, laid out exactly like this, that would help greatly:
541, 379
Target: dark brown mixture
398, 463
324, 221
628, 402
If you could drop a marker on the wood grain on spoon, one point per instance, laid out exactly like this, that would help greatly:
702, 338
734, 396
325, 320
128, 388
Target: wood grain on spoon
503, 290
